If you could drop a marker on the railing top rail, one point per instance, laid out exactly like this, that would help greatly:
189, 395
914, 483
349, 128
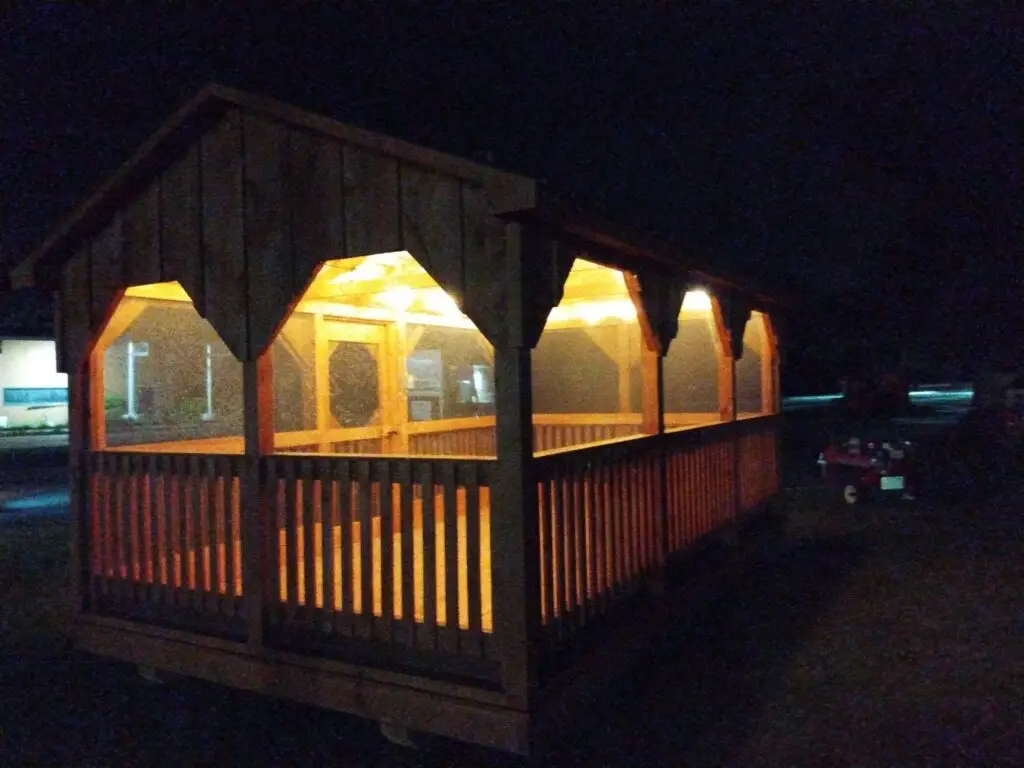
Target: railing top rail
624, 448
377, 458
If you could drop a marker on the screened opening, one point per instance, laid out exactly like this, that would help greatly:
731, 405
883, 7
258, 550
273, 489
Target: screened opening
378, 359
690, 368
754, 372
587, 367
167, 376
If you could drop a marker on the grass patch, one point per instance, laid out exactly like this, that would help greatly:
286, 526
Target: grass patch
33, 584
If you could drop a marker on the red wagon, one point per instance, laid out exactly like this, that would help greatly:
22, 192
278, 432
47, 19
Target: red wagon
869, 468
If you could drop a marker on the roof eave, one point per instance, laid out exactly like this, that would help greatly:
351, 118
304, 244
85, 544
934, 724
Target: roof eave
587, 229
193, 116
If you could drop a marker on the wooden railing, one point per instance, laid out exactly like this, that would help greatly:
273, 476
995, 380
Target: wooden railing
611, 514
164, 538
759, 462
389, 559
700, 489
600, 528
396, 552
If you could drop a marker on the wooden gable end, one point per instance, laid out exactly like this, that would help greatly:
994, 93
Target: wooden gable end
243, 216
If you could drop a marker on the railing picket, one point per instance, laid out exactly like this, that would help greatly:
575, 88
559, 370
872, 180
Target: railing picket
594, 585
366, 565
564, 483
407, 555
346, 522
545, 557
449, 636
214, 491
226, 470
329, 606
135, 527
472, 638
121, 528
311, 552
147, 467
579, 545
426, 632
292, 542
385, 621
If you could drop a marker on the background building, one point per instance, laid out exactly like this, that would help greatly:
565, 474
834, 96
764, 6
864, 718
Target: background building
32, 392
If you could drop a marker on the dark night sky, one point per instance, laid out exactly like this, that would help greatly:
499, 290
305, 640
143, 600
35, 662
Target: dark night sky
865, 154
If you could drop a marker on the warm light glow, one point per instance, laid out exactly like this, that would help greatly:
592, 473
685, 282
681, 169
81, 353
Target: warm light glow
371, 268
162, 291
594, 312
399, 299
697, 301
440, 302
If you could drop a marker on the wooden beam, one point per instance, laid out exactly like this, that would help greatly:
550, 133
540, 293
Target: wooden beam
121, 315
624, 362
770, 366
515, 524
726, 363
515, 530
97, 440
258, 393
394, 360
321, 380
79, 434
580, 419
361, 291
126, 312
653, 393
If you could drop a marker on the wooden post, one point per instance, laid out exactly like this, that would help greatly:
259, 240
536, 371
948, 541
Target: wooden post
79, 416
321, 380
399, 353
653, 401
727, 405
726, 363
258, 388
515, 526
770, 367
624, 355
515, 529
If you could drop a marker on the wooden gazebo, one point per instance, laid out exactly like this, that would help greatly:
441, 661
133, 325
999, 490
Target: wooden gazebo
365, 425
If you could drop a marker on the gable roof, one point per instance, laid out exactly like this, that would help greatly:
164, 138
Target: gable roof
184, 127
26, 314
198, 115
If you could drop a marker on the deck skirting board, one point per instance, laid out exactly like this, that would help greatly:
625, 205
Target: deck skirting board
462, 719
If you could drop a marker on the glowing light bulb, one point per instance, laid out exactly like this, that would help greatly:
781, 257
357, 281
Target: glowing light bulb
697, 301
398, 299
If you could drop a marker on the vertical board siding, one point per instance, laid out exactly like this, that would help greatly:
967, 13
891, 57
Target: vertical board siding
181, 216
223, 233
106, 279
315, 192
267, 230
371, 203
759, 462
141, 238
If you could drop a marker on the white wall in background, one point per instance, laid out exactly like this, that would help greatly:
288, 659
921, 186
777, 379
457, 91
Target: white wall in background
30, 385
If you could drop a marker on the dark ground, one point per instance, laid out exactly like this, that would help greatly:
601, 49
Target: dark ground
883, 635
